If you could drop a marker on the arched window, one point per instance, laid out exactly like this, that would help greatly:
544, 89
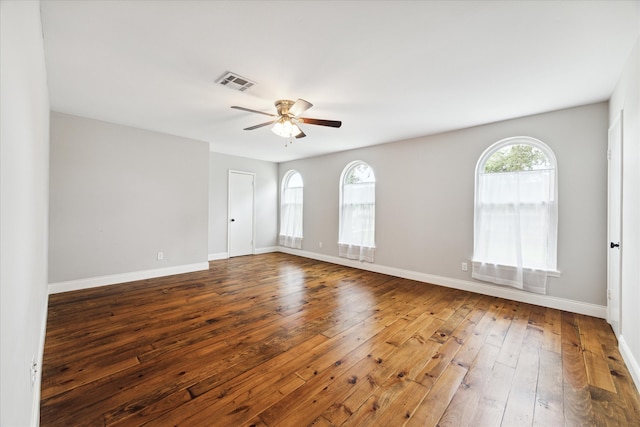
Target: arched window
291, 210
516, 214
357, 212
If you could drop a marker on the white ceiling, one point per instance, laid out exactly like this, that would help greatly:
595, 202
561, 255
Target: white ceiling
390, 70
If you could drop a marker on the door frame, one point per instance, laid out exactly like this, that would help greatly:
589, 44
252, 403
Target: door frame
253, 206
614, 290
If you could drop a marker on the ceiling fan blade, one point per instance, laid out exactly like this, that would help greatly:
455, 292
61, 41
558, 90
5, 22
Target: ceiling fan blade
301, 135
260, 125
253, 111
321, 122
299, 107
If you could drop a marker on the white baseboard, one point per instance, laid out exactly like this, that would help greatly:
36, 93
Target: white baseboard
465, 285
92, 282
219, 255
35, 404
630, 361
225, 255
266, 250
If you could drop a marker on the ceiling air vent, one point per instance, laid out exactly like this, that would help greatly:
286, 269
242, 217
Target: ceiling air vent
234, 81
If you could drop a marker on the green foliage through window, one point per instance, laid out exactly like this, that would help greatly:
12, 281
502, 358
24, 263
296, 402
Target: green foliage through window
516, 158
360, 173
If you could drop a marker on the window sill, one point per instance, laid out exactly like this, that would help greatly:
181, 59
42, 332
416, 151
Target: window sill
550, 273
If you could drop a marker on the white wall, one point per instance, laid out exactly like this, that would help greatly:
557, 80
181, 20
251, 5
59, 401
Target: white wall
24, 136
626, 97
120, 195
266, 193
425, 192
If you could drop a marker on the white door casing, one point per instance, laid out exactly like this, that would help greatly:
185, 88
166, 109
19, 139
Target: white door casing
240, 220
614, 225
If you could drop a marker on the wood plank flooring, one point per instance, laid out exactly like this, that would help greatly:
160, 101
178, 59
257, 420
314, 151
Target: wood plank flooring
279, 340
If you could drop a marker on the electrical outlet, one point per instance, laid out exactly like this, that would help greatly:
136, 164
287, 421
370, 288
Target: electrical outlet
320, 244
33, 371
464, 266
160, 256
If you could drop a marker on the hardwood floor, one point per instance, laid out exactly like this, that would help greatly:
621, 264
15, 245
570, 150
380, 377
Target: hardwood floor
275, 339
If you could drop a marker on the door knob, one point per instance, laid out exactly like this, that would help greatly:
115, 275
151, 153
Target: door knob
614, 245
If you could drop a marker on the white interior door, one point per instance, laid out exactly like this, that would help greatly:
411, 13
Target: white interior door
241, 213
614, 225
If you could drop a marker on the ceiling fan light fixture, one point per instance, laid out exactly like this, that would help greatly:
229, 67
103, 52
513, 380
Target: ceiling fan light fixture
286, 128
286, 122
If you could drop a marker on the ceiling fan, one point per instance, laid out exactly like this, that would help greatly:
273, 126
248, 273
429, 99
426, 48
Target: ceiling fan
286, 122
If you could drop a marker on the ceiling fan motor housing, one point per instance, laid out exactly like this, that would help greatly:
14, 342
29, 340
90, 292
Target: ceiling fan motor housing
283, 106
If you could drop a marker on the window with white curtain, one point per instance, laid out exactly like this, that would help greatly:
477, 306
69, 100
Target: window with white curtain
516, 215
357, 212
291, 210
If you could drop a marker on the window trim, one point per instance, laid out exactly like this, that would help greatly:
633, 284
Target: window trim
490, 151
286, 178
366, 252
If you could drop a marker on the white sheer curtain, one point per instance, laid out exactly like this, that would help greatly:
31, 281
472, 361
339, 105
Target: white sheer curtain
515, 228
357, 222
291, 212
